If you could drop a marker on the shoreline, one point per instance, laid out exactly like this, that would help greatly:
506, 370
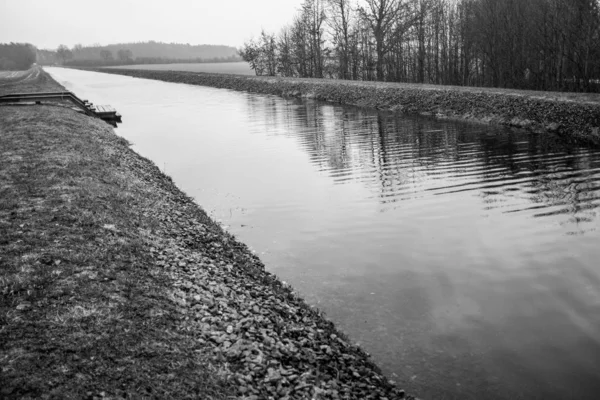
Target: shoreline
573, 116
115, 283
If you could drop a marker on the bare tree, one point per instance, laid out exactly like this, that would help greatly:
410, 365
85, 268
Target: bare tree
340, 21
313, 16
534, 44
64, 53
106, 55
251, 53
77, 49
300, 47
268, 52
285, 58
388, 20
124, 55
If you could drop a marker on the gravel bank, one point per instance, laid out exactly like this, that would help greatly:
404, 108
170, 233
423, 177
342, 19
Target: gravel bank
115, 284
271, 342
576, 117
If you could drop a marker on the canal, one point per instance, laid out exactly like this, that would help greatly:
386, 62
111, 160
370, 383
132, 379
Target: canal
464, 258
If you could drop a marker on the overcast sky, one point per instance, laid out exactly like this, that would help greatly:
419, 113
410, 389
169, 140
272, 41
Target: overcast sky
48, 23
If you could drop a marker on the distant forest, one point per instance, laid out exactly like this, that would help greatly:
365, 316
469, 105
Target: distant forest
137, 53
16, 56
524, 44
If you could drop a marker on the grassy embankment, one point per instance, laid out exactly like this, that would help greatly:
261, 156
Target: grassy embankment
116, 284
574, 116
25, 81
84, 311
237, 68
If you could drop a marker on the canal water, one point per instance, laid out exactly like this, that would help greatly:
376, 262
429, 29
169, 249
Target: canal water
465, 258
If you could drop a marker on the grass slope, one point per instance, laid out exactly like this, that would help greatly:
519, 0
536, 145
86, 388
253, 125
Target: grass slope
83, 310
239, 68
32, 80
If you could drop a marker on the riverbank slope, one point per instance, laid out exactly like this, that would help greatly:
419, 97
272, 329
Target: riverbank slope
115, 284
575, 116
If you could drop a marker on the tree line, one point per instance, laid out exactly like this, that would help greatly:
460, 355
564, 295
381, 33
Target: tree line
523, 44
16, 56
138, 53
82, 56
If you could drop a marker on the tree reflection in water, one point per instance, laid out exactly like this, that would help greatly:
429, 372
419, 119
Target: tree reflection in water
400, 158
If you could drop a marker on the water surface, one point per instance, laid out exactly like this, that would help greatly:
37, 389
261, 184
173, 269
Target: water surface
464, 258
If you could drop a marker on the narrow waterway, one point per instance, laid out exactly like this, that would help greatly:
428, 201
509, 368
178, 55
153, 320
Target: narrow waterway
465, 258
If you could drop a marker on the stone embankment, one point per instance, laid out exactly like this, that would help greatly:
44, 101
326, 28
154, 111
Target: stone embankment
115, 284
270, 343
576, 117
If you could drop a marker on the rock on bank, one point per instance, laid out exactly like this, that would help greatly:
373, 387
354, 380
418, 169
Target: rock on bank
574, 116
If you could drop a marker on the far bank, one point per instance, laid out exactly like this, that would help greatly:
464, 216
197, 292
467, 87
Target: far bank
574, 116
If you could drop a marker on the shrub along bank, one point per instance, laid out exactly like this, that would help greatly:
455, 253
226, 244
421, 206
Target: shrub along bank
576, 117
